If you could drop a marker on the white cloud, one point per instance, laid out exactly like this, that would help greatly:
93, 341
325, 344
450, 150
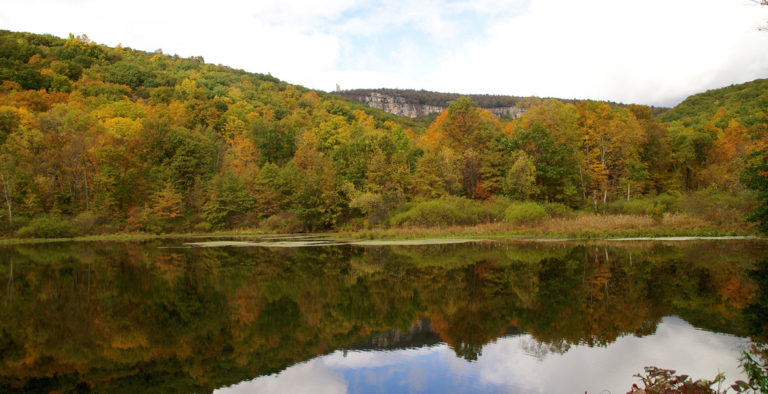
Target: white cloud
652, 52
260, 37
675, 345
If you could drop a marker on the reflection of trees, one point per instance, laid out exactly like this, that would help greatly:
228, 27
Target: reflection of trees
480, 307
191, 320
756, 313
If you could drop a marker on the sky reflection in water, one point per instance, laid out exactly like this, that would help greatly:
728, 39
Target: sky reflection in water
111, 317
512, 364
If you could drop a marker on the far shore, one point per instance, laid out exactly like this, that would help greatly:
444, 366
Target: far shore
581, 227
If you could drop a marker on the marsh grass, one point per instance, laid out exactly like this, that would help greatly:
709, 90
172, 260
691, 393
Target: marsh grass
582, 225
134, 236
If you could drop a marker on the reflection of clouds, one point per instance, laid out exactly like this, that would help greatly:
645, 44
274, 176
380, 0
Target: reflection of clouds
310, 377
534, 348
676, 345
417, 380
507, 366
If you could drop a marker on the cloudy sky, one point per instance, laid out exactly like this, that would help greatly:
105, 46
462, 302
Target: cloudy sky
651, 52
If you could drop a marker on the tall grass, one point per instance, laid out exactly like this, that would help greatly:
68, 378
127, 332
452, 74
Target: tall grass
582, 225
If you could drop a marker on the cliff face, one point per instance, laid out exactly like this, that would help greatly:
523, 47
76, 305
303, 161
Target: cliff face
507, 112
420, 334
400, 106
418, 103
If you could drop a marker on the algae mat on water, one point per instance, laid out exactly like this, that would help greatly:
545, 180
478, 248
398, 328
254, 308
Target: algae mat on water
328, 242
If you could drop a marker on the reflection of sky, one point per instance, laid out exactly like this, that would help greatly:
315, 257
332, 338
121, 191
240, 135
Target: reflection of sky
507, 366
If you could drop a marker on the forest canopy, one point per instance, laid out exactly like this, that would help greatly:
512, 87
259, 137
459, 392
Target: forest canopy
99, 139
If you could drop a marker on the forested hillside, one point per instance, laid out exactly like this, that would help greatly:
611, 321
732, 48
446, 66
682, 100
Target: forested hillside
747, 103
96, 139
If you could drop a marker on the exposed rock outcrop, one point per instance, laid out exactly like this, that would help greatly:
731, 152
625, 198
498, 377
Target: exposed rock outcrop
401, 106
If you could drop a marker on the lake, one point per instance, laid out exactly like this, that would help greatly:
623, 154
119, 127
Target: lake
302, 314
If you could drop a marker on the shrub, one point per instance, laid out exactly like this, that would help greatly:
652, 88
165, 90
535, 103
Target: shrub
525, 213
717, 206
430, 213
202, 227
655, 212
47, 227
286, 222
557, 210
85, 222
450, 211
658, 205
375, 208
496, 207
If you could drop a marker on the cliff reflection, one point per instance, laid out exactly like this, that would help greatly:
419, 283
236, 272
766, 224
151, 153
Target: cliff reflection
113, 317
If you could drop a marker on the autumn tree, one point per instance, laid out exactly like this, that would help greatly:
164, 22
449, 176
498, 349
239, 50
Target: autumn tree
656, 153
8, 183
755, 177
437, 174
227, 202
520, 180
612, 143
497, 160
467, 130
318, 200
167, 204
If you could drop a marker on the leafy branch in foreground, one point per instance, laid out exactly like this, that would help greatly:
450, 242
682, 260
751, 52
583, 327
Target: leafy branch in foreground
757, 375
657, 380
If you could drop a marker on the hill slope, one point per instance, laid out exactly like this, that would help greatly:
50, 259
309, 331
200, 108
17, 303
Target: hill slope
747, 102
96, 140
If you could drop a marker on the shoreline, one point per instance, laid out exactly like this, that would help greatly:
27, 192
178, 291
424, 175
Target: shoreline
480, 232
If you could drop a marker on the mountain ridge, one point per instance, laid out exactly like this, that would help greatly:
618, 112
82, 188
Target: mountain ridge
414, 103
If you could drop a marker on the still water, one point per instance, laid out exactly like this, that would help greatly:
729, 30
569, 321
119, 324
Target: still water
303, 315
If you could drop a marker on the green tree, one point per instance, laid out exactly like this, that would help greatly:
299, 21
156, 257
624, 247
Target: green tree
268, 197
755, 177
556, 167
496, 162
520, 181
318, 201
228, 200
437, 174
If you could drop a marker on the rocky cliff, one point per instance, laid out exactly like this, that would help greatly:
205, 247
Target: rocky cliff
419, 103
398, 105
414, 104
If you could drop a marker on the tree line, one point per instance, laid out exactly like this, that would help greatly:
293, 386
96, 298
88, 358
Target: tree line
99, 139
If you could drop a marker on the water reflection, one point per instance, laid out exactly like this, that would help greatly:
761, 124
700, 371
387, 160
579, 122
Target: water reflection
507, 366
507, 316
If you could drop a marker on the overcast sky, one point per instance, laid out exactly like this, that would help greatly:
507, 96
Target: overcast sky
652, 52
